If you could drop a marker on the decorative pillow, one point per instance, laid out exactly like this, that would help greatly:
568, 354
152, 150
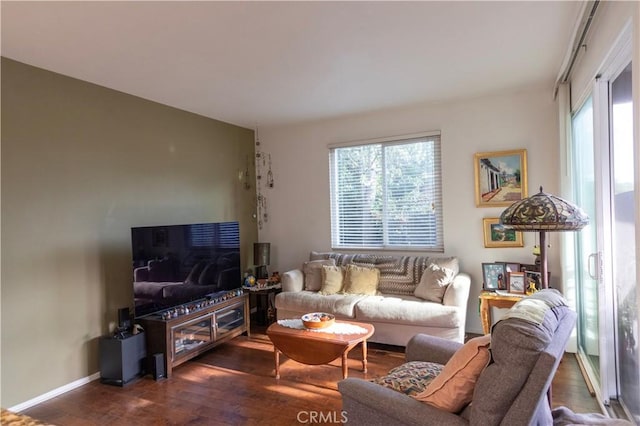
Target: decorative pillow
313, 273
447, 262
410, 378
361, 280
453, 389
314, 255
332, 278
433, 283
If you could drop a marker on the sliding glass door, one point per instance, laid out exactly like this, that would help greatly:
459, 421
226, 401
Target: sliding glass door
587, 253
605, 251
624, 250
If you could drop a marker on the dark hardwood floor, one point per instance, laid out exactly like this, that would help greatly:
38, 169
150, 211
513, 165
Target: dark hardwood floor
233, 384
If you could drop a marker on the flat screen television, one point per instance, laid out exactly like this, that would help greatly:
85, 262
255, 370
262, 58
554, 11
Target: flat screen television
176, 264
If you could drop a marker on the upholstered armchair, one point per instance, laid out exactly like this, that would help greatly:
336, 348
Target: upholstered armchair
509, 385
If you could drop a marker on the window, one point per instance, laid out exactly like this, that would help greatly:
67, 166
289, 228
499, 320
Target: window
386, 194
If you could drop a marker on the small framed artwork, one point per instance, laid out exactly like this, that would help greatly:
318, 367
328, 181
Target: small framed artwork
496, 235
516, 282
533, 280
494, 276
500, 177
511, 266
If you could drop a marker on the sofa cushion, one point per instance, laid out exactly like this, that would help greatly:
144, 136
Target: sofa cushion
410, 378
447, 262
453, 389
313, 273
342, 305
361, 280
398, 274
433, 283
332, 279
408, 310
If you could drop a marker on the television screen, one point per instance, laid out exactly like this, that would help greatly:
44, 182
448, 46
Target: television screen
176, 264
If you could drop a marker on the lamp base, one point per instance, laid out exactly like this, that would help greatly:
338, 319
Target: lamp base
261, 272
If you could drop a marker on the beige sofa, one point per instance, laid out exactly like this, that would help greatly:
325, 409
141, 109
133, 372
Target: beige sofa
395, 311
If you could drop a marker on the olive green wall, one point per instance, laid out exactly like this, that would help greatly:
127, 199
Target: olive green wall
81, 165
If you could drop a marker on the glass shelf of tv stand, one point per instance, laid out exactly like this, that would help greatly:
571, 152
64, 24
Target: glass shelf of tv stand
191, 335
229, 319
205, 329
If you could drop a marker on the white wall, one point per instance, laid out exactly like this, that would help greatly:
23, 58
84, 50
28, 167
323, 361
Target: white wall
298, 205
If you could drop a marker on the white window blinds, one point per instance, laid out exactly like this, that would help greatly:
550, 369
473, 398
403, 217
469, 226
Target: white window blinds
387, 195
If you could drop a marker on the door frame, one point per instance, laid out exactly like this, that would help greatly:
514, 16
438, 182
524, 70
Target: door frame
619, 57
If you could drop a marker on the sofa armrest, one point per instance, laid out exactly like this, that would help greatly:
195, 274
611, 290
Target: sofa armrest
292, 280
366, 403
457, 293
424, 347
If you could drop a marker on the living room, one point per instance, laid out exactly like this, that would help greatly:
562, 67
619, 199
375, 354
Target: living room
82, 163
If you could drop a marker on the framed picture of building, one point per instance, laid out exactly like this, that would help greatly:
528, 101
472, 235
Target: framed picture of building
500, 177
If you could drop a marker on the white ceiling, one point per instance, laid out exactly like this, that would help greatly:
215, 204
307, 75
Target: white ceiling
270, 63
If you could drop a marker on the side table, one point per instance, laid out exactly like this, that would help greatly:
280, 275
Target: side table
490, 300
263, 300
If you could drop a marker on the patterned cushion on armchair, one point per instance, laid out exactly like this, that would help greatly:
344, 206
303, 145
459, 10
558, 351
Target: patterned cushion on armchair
410, 378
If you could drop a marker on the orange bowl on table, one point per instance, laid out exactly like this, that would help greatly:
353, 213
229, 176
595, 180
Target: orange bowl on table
318, 320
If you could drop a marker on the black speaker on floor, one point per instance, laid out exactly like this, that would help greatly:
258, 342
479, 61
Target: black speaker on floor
157, 366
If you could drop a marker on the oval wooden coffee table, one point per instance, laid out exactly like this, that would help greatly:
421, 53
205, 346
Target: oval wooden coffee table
315, 347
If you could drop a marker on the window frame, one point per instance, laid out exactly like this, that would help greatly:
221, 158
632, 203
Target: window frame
433, 137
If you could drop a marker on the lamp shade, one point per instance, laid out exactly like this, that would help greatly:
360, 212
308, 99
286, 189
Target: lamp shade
261, 253
544, 212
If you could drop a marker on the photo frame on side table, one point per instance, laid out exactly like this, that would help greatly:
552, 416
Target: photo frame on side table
496, 235
494, 276
532, 279
512, 266
533, 271
517, 283
500, 177
529, 267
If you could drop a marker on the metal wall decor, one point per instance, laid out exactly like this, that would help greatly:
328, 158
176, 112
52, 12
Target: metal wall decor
244, 175
263, 181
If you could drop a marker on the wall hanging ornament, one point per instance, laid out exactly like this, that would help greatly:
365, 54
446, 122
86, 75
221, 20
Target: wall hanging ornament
263, 181
244, 175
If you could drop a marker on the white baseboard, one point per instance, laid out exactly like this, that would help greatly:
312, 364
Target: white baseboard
56, 392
